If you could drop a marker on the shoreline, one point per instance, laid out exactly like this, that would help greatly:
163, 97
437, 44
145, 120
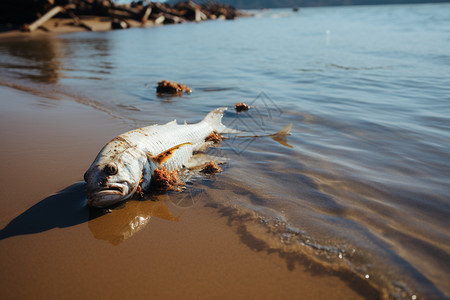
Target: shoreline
57, 26
105, 16
172, 251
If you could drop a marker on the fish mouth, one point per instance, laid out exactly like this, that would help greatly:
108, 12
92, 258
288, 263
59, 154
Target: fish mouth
114, 190
106, 196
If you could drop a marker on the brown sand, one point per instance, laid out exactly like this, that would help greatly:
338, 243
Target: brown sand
61, 26
171, 253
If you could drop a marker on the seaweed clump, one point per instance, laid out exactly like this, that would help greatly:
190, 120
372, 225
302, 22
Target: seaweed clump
211, 168
214, 137
241, 106
170, 87
163, 180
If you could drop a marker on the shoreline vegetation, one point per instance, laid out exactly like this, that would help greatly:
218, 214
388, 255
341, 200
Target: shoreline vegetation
23, 17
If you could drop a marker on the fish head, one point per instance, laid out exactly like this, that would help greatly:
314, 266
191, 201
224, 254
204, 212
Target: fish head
114, 178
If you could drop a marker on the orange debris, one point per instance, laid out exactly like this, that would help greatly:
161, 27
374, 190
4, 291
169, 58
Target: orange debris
211, 168
169, 87
163, 180
241, 106
214, 137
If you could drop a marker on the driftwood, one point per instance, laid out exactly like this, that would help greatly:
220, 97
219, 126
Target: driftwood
38, 23
116, 13
78, 22
148, 11
130, 10
140, 11
159, 20
199, 15
119, 24
171, 19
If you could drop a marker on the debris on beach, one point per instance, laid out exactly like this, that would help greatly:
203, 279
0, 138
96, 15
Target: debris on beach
169, 87
119, 24
214, 137
163, 180
32, 14
241, 106
47, 16
211, 168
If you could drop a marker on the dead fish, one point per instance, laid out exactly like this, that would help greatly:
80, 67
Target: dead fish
128, 161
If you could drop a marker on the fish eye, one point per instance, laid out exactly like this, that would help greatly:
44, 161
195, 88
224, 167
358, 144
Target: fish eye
85, 176
111, 169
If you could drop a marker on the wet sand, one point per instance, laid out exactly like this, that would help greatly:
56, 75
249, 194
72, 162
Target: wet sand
64, 26
53, 246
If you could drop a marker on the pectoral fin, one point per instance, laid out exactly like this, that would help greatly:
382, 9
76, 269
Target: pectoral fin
164, 156
201, 159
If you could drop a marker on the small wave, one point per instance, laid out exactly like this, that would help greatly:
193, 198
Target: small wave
361, 256
215, 89
264, 233
128, 107
56, 93
347, 68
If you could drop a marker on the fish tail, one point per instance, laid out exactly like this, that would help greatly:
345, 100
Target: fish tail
285, 131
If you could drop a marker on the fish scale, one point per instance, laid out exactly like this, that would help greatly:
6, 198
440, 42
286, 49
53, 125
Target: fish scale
158, 138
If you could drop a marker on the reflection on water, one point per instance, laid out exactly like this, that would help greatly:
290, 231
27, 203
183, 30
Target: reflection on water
77, 51
68, 208
47, 60
119, 224
43, 55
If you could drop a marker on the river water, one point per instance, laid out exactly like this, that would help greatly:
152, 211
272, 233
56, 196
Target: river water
362, 184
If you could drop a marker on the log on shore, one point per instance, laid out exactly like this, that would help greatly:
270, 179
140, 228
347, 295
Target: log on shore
50, 14
148, 11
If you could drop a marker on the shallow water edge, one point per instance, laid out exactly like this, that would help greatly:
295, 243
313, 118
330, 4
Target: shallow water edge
171, 247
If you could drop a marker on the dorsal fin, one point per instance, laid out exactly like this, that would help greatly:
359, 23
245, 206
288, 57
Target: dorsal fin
214, 119
174, 122
164, 156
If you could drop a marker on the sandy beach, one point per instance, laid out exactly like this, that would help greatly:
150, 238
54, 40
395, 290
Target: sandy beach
52, 246
63, 26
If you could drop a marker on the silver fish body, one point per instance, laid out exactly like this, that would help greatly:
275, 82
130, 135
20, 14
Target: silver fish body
129, 160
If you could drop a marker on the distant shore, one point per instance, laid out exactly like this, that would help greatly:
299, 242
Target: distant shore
105, 16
